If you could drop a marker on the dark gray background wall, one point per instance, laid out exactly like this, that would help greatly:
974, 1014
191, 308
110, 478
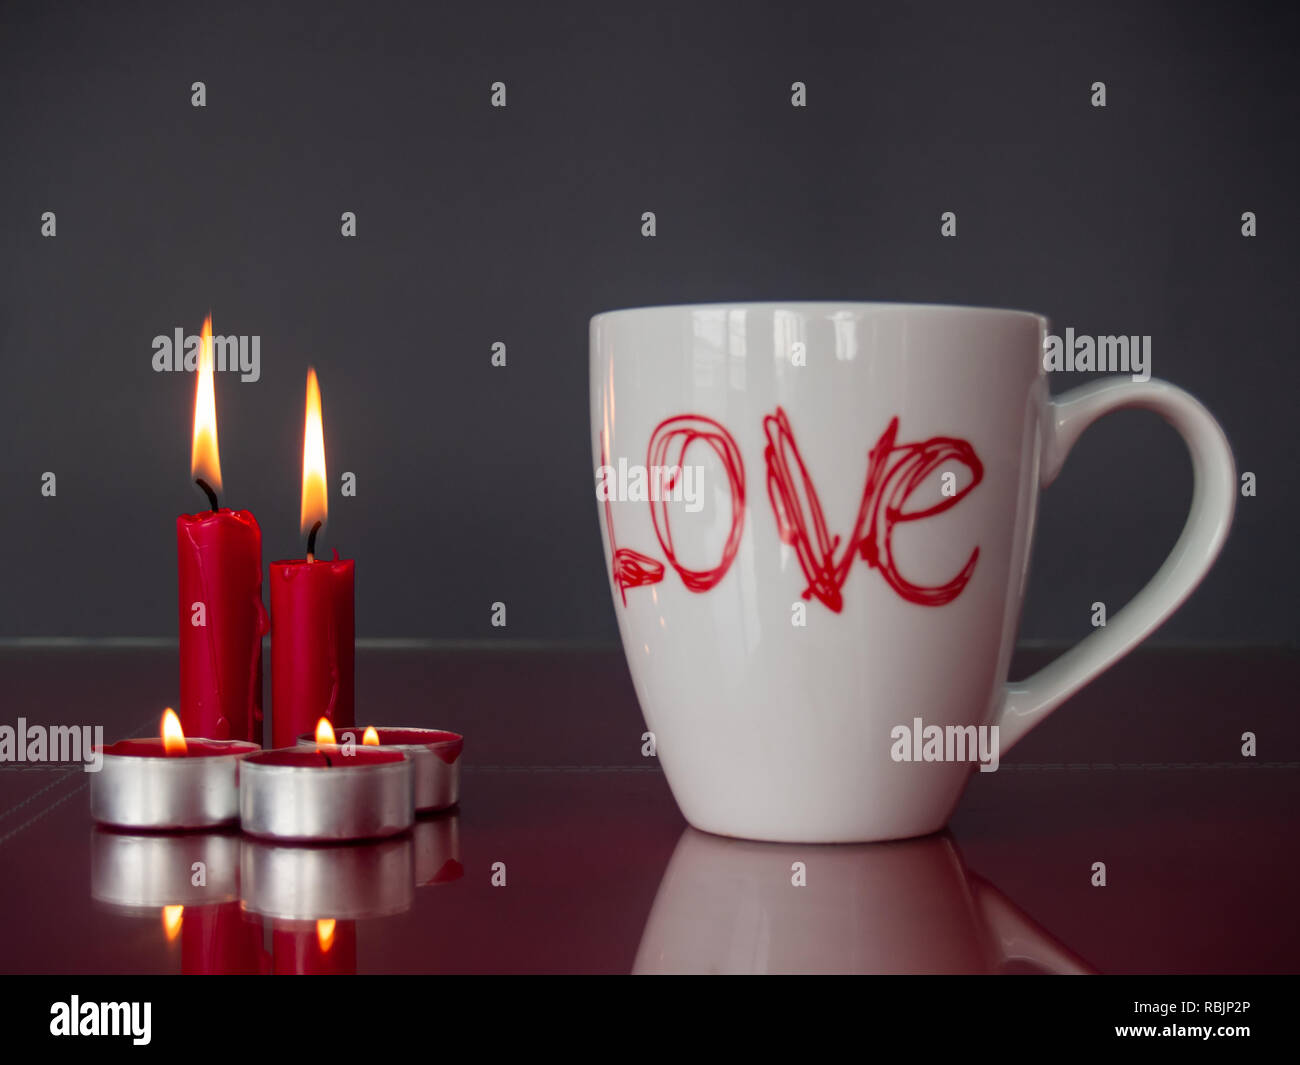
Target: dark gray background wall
478, 224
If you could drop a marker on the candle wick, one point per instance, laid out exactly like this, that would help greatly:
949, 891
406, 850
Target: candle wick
311, 542
207, 490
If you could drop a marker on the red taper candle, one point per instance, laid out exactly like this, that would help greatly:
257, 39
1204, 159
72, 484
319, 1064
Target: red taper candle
219, 577
312, 611
222, 940
311, 646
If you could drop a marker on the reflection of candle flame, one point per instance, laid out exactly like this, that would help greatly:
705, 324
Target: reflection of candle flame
205, 459
314, 499
370, 738
171, 917
325, 934
324, 731
172, 736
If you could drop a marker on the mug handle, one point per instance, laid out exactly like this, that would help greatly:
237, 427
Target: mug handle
1214, 496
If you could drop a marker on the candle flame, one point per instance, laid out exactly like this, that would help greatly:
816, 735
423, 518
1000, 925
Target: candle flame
324, 731
370, 738
171, 918
314, 502
205, 458
325, 933
173, 736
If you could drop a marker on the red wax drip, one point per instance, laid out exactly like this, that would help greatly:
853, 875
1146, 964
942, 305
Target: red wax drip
451, 871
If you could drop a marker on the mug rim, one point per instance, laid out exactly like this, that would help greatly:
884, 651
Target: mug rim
806, 305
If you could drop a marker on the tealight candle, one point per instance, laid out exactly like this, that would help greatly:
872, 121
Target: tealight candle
434, 754
327, 793
168, 783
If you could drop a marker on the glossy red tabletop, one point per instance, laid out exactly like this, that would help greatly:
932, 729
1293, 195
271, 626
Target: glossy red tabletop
1142, 772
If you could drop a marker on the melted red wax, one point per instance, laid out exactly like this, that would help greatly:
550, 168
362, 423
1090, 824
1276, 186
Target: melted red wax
152, 747
325, 756
446, 745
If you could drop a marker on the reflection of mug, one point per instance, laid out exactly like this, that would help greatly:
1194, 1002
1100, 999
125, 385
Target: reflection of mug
817, 522
732, 906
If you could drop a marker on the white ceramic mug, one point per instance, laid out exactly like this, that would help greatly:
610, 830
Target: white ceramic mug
832, 559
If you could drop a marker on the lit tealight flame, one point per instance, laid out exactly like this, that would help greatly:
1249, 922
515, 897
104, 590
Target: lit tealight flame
172, 917
370, 738
325, 933
314, 502
324, 731
205, 460
172, 735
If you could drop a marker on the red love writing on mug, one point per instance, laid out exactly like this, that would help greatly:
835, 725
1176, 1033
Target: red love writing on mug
895, 472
